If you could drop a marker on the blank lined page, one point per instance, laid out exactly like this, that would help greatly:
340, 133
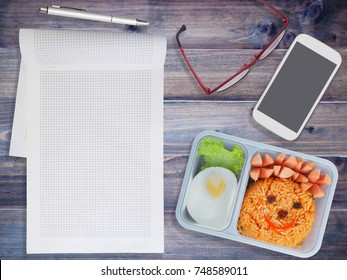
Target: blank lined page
95, 159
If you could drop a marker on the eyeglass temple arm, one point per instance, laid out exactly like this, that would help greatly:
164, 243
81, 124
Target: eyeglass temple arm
284, 19
182, 29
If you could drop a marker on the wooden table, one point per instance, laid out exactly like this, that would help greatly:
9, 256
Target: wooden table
220, 37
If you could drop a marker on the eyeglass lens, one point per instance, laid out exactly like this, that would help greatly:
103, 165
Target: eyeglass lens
273, 45
234, 80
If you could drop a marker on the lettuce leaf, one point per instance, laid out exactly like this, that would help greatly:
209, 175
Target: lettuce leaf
215, 154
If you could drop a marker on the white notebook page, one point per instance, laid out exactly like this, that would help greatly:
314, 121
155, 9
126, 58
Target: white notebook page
94, 141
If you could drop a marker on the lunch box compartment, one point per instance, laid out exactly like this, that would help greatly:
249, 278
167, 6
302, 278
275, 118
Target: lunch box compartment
194, 166
313, 241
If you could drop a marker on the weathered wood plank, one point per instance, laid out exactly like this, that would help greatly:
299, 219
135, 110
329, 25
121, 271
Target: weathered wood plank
325, 133
9, 71
213, 66
240, 24
6, 111
179, 242
13, 181
175, 167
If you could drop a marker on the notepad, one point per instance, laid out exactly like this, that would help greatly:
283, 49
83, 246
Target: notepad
93, 138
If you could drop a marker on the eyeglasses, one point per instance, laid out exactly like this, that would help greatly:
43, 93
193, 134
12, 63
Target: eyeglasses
239, 75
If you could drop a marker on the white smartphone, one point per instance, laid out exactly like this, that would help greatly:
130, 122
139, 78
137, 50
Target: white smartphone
297, 86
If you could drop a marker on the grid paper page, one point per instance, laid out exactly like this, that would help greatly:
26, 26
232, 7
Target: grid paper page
98, 48
71, 48
95, 157
99, 152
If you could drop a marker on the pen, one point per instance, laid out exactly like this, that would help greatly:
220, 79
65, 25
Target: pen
83, 14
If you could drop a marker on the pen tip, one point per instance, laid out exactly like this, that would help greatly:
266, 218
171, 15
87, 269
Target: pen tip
43, 10
141, 22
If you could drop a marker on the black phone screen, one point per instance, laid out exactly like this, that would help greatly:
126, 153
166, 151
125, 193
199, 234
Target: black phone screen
296, 87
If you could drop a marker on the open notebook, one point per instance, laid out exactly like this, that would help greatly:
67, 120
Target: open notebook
93, 137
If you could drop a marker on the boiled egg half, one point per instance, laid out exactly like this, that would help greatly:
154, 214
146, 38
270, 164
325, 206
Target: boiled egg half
211, 196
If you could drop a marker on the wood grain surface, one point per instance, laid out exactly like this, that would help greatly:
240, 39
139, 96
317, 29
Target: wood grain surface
221, 36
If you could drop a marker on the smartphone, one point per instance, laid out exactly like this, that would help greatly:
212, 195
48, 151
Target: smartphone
297, 86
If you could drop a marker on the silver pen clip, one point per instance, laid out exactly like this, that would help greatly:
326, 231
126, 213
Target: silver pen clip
63, 7
45, 10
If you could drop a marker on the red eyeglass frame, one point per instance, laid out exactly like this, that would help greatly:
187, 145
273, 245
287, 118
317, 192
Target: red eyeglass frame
245, 66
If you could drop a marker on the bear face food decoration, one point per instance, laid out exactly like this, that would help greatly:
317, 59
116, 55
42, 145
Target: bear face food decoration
279, 207
277, 211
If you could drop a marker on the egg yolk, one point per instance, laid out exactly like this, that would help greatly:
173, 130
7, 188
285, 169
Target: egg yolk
215, 185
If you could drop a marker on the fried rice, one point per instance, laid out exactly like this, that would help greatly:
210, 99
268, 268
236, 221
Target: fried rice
277, 211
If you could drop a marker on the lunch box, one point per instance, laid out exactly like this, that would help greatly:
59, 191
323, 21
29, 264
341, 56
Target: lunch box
313, 241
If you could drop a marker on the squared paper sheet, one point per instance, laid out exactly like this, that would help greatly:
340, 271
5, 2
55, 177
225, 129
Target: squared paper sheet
94, 141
